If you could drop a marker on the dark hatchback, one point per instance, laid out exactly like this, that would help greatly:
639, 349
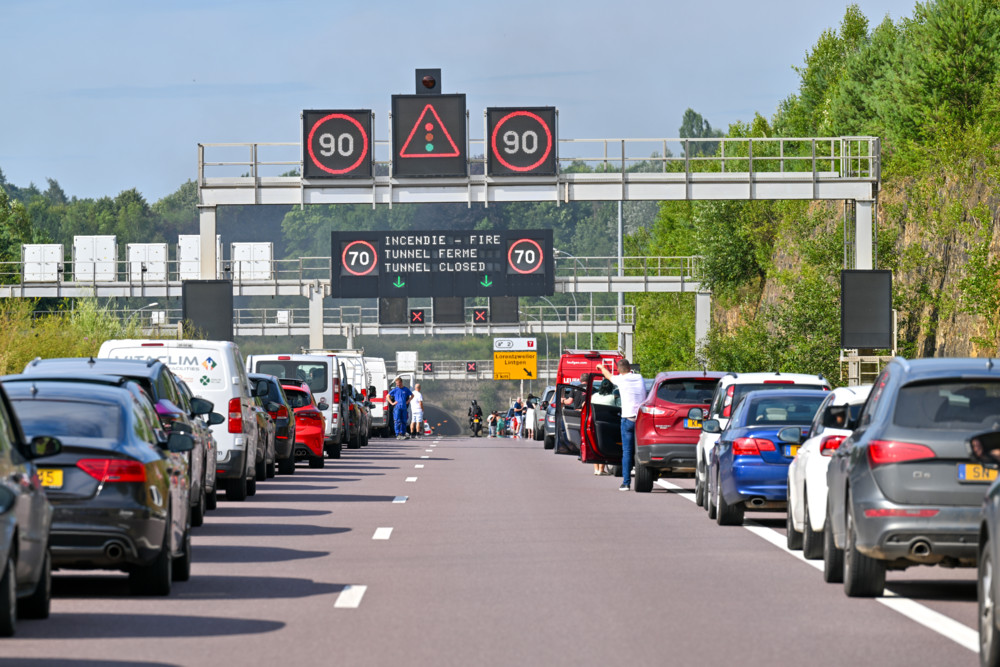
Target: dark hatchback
162, 387
268, 387
119, 486
902, 488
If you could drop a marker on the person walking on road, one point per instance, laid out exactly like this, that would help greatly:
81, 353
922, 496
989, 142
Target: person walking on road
632, 392
399, 398
518, 417
529, 419
417, 411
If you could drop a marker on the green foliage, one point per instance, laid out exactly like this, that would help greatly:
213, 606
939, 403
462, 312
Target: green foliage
15, 229
695, 127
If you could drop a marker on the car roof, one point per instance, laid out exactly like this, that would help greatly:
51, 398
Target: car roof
758, 377
62, 388
943, 367
850, 395
694, 375
133, 367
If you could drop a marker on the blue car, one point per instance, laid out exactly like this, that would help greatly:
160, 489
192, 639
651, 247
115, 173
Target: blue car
749, 463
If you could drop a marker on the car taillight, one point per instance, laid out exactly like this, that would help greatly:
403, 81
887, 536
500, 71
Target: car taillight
282, 412
284, 358
652, 410
727, 408
113, 470
336, 390
830, 443
882, 452
779, 381
235, 415
884, 513
151, 345
751, 446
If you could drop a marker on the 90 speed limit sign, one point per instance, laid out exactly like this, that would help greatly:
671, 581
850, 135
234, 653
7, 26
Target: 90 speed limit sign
522, 141
337, 144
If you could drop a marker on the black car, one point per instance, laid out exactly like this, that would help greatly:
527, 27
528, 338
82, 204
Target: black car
162, 387
281, 411
985, 451
25, 520
902, 489
119, 485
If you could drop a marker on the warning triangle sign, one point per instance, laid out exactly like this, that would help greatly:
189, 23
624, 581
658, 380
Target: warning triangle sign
429, 137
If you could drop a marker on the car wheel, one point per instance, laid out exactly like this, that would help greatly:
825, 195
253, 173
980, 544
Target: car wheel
8, 599
37, 604
354, 442
316, 462
286, 466
726, 514
260, 471
549, 442
269, 470
864, 577
236, 489
155, 578
812, 542
833, 558
212, 498
793, 538
251, 487
644, 478
182, 564
989, 647
709, 504
198, 511
699, 489
333, 451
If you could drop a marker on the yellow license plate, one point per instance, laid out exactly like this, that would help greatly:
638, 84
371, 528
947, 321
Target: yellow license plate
973, 472
692, 423
793, 450
50, 479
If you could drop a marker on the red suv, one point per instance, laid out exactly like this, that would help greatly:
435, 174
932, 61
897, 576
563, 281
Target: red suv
665, 436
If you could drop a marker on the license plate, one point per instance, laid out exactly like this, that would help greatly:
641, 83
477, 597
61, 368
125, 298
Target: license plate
973, 472
692, 423
50, 479
791, 450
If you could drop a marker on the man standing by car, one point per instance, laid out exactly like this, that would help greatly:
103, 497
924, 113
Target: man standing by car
399, 398
417, 412
632, 392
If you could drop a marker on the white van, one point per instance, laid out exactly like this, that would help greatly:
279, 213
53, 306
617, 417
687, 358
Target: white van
355, 374
213, 369
378, 377
324, 375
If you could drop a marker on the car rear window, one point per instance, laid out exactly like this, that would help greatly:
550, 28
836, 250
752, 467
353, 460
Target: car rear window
296, 398
69, 419
797, 411
314, 373
948, 405
686, 391
743, 389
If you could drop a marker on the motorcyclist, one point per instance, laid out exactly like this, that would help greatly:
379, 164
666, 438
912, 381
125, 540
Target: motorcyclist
475, 411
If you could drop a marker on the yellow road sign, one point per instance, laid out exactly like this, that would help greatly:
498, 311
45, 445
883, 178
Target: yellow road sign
515, 365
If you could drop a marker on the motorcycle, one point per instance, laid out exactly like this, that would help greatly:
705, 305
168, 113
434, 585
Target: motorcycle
476, 424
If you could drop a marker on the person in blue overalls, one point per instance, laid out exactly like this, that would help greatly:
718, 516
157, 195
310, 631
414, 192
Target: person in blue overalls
399, 398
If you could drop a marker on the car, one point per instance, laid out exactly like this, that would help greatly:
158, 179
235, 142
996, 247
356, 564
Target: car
541, 408
280, 410
668, 425
163, 388
25, 522
902, 489
203, 433
309, 425
748, 468
264, 468
807, 472
549, 436
378, 379
119, 484
732, 387
984, 452
215, 367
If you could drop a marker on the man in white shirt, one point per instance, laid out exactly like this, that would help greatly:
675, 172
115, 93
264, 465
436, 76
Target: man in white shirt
632, 391
417, 411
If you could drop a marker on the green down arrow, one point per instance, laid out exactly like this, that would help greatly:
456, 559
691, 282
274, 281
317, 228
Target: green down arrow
399, 282
486, 282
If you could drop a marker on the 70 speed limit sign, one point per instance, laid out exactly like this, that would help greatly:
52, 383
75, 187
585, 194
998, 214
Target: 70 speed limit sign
337, 144
521, 141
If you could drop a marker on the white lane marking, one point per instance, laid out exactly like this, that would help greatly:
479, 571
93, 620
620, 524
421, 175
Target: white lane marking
382, 533
411, 479
946, 626
425, 457
400, 499
419, 465
437, 442
350, 597
428, 450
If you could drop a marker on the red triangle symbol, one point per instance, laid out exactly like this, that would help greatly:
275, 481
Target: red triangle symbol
417, 126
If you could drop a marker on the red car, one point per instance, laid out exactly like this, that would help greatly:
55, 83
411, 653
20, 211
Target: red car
309, 424
665, 435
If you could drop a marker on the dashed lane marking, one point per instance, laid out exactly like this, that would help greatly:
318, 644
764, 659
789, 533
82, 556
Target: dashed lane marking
411, 479
428, 450
350, 597
419, 465
382, 533
946, 626
400, 499
425, 457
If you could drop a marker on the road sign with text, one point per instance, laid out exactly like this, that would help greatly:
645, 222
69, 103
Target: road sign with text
515, 365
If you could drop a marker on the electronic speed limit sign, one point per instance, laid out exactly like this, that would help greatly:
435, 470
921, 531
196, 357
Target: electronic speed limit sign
359, 258
337, 144
522, 141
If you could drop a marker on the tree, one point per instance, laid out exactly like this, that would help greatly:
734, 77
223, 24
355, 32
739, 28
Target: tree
695, 127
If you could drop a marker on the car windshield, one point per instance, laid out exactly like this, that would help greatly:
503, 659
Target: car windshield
795, 411
685, 391
949, 405
313, 372
68, 418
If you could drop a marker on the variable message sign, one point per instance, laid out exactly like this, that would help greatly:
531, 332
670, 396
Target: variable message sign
337, 144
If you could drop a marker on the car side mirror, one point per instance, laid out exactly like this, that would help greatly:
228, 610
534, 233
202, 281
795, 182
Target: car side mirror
181, 427
214, 419
985, 448
261, 389
697, 414
323, 406
371, 391
201, 406
711, 426
792, 435
44, 445
180, 442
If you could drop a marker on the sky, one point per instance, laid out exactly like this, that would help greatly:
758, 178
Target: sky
103, 96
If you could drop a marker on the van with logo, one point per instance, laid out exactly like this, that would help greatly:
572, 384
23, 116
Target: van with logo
574, 364
213, 369
324, 374
356, 375
378, 377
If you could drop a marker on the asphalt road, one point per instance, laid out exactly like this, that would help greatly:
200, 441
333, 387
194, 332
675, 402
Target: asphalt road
492, 552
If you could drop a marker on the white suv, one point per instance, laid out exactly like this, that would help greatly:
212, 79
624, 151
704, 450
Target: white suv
728, 392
